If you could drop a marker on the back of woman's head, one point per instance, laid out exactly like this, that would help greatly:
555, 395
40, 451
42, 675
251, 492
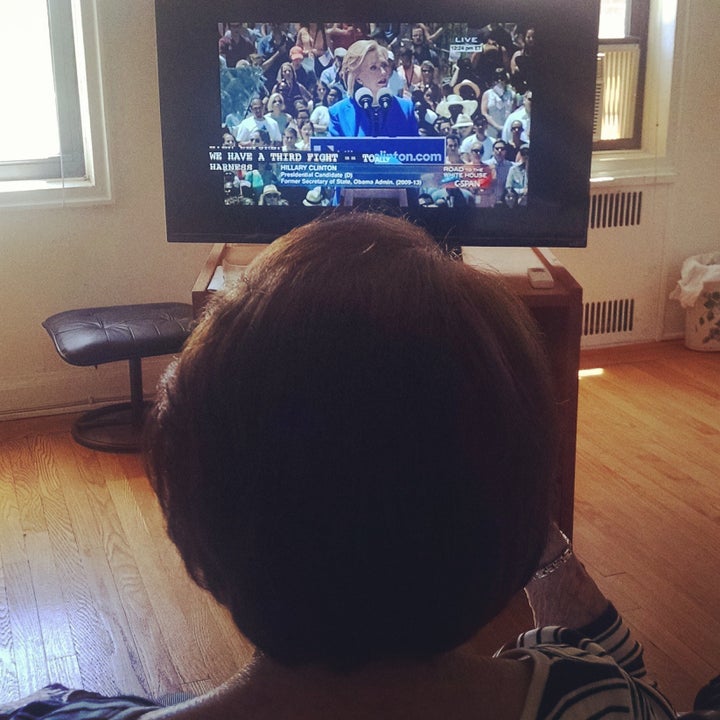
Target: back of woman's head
354, 450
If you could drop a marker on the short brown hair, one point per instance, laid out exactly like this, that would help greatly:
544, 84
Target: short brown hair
354, 450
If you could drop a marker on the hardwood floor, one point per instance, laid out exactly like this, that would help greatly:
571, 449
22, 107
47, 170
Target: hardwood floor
647, 503
93, 594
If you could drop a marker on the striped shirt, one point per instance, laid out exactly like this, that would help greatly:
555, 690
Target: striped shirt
597, 672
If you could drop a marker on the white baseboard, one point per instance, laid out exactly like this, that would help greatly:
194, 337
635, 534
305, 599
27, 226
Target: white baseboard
74, 389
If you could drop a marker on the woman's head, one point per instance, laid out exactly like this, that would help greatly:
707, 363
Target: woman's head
286, 74
427, 70
321, 90
366, 63
306, 131
528, 38
354, 450
432, 94
276, 103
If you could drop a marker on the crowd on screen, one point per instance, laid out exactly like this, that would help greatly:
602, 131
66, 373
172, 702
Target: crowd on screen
280, 81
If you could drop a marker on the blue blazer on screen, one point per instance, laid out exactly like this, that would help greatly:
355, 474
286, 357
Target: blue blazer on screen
348, 119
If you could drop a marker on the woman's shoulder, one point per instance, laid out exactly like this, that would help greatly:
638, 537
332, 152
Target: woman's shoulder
405, 104
574, 677
340, 107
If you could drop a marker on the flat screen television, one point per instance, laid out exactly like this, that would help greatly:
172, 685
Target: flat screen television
399, 137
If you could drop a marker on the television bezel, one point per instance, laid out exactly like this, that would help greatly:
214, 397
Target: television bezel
561, 149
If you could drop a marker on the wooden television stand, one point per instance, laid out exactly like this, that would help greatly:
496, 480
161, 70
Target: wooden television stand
558, 312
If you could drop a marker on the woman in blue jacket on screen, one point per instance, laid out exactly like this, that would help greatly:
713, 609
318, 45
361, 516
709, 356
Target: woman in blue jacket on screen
370, 110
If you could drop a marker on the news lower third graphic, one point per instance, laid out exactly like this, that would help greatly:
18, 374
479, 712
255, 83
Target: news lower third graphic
353, 162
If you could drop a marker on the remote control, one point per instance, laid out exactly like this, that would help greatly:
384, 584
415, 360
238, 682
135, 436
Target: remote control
540, 278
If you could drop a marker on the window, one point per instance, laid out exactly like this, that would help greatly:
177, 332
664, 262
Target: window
620, 84
646, 156
52, 138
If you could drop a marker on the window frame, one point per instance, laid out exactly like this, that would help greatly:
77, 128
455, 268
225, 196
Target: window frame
651, 163
637, 34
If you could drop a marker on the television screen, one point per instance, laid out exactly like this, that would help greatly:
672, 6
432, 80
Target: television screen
472, 119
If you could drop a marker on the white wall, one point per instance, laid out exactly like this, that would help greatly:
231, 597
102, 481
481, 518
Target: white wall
681, 214
57, 259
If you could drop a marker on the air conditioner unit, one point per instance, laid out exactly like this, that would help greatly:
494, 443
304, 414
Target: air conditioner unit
616, 86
